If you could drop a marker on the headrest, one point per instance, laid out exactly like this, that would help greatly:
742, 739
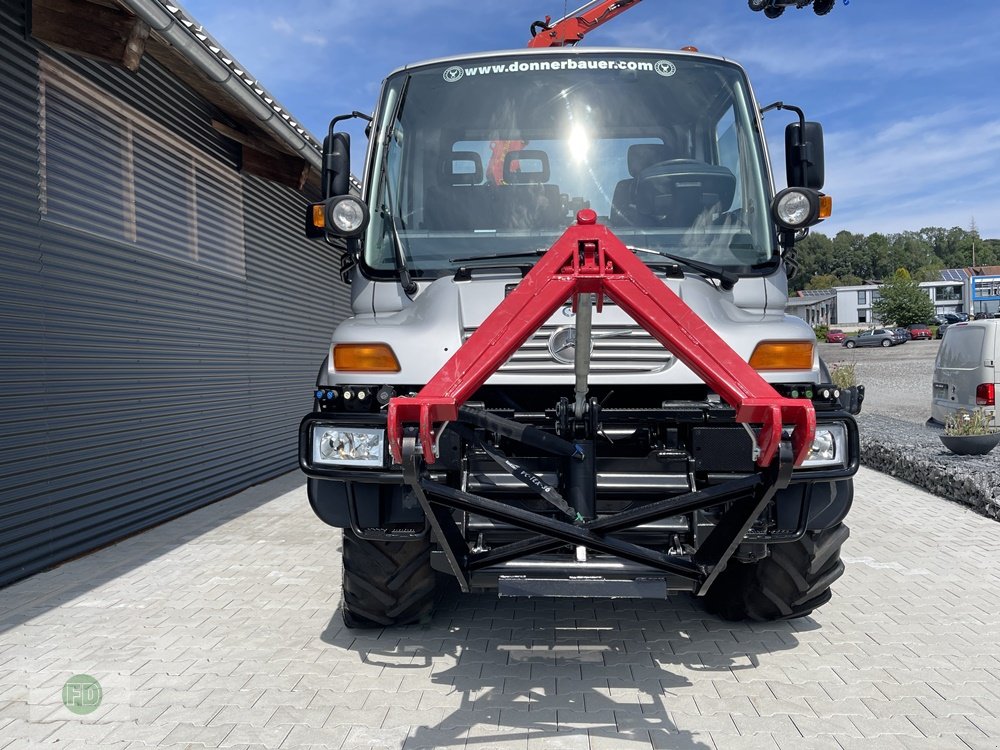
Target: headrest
526, 167
462, 168
643, 155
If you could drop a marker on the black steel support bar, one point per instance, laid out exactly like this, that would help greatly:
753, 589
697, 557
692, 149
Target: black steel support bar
628, 519
720, 544
447, 533
566, 533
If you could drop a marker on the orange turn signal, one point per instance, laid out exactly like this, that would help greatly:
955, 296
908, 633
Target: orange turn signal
318, 217
364, 358
783, 355
825, 206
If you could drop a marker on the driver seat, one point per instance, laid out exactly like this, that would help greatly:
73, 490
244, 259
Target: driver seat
623, 202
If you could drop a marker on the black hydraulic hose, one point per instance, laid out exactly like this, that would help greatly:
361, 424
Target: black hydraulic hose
524, 433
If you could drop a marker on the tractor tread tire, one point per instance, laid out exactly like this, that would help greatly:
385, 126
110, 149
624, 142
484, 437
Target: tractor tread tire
386, 583
822, 7
791, 582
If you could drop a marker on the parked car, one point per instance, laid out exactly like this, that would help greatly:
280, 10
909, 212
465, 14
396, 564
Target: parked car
903, 334
941, 330
874, 337
964, 373
834, 336
948, 317
919, 331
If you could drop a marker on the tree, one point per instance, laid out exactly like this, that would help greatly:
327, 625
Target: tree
823, 281
902, 301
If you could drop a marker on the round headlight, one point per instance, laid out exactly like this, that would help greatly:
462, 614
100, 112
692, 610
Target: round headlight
793, 209
346, 216
796, 208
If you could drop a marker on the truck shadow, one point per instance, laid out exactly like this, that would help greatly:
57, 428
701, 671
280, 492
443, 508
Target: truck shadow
563, 671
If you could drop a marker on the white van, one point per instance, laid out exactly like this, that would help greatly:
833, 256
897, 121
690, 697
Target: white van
965, 375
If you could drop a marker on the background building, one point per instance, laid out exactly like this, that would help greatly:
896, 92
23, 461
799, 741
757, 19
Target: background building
162, 316
949, 294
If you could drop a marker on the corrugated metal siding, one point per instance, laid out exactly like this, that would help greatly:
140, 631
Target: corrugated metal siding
135, 386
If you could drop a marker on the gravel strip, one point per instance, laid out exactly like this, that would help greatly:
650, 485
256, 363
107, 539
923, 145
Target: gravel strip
914, 454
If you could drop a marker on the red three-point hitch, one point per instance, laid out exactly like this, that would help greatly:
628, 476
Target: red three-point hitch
589, 258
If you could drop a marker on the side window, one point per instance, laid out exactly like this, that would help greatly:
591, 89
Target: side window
83, 155
109, 170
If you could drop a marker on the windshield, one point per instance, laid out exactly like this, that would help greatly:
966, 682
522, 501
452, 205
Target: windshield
496, 157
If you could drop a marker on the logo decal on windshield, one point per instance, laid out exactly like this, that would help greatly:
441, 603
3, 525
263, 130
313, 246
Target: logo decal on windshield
457, 73
665, 67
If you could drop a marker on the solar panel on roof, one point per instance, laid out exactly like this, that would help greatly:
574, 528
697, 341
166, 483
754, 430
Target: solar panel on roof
953, 274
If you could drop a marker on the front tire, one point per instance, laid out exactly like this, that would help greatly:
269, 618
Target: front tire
773, 11
386, 583
822, 7
850, 344
791, 582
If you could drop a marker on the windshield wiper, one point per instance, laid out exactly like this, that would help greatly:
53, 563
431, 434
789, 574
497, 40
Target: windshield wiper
496, 261
727, 279
464, 272
387, 209
537, 253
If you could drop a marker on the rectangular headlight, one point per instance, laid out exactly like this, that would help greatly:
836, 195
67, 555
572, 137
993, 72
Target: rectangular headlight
348, 446
829, 447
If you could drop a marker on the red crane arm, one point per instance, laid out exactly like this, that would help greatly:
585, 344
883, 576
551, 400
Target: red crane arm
571, 29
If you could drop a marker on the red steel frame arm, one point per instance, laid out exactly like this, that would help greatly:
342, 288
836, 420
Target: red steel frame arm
589, 258
572, 29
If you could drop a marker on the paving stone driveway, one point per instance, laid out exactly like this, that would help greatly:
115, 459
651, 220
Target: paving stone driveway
222, 629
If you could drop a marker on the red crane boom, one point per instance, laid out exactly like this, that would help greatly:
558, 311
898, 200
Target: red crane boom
572, 28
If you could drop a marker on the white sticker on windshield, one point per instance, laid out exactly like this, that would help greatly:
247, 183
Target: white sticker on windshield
457, 73
665, 67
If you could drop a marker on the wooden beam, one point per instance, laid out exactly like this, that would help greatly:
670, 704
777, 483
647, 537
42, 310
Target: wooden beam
246, 139
285, 170
135, 45
90, 29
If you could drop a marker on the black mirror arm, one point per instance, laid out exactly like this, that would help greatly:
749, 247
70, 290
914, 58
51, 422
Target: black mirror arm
341, 118
803, 149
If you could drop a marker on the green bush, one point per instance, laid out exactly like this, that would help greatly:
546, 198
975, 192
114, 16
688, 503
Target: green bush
821, 332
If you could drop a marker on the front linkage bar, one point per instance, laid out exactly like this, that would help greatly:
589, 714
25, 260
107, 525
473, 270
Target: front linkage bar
589, 259
703, 567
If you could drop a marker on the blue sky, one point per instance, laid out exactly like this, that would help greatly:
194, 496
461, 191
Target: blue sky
908, 91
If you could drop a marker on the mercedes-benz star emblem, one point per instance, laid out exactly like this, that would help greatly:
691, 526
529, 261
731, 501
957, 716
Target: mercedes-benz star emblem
562, 345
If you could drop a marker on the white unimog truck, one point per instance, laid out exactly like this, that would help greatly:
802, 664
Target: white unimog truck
628, 414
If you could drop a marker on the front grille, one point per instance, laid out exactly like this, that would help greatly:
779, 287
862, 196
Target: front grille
625, 349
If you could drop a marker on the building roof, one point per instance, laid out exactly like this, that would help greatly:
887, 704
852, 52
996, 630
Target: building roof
276, 145
811, 300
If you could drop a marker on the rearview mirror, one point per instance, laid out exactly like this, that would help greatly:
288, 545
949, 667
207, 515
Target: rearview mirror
804, 155
336, 165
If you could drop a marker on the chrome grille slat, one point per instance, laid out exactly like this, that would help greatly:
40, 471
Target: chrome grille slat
625, 349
